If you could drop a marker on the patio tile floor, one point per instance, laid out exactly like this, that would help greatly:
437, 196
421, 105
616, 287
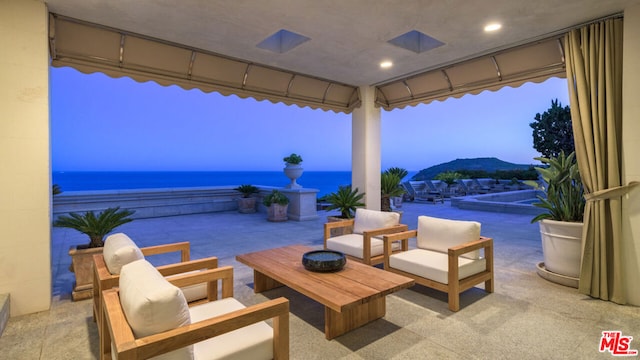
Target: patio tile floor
526, 317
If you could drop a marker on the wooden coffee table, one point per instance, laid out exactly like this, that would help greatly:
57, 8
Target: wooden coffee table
352, 297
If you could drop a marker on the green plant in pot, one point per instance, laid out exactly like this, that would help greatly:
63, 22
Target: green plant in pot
564, 192
561, 223
277, 205
247, 203
389, 188
402, 173
293, 159
346, 200
96, 227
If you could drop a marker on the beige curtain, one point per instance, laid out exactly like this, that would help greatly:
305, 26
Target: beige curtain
594, 74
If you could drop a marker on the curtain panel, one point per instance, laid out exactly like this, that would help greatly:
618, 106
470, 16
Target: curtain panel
594, 74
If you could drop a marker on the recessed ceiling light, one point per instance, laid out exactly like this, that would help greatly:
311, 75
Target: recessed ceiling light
492, 27
386, 64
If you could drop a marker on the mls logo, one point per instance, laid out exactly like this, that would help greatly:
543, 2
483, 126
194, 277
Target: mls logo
617, 344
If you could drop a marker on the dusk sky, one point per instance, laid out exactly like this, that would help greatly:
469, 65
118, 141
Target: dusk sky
100, 123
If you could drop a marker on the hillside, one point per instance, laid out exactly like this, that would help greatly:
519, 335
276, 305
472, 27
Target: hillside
486, 164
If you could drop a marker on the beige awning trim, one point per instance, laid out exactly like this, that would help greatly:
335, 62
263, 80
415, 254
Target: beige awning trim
533, 62
91, 48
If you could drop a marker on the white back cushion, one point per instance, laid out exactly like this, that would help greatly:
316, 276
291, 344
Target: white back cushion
366, 219
441, 234
152, 304
118, 251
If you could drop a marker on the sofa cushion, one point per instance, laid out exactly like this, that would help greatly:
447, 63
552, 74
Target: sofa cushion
434, 265
441, 234
120, 250
372, 219
152, 305
251, 342
351, 244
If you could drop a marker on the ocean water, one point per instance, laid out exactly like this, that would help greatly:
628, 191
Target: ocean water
325, 181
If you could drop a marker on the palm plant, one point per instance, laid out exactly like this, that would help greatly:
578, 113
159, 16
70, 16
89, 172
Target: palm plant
398, 171
564, 199
346, 200
275, 197
448, 177
247, 190
389, 187
96, 227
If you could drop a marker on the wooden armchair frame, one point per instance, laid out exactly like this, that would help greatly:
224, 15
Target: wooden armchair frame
366, 239
127, 347
455, 286
104, 280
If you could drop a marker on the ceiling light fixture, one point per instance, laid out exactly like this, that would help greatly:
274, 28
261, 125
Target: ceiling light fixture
386, 64
492, 27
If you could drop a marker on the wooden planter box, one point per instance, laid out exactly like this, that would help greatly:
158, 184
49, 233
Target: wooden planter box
277, 212
339, 231
82, 267
247, 205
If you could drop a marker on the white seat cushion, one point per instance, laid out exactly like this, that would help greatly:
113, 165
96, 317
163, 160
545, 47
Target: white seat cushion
371, 219
118, 251
351, 244
251, 342
434, 265
152, 304
441, 234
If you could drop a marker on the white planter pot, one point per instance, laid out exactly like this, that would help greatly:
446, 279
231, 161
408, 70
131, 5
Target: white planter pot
562, 247
293, 172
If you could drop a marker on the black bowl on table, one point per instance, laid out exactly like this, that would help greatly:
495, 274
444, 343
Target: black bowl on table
323, 260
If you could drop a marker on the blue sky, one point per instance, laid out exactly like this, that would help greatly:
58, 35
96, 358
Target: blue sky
100, 123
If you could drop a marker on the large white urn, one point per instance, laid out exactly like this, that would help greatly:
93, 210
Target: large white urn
562, 249
293, 172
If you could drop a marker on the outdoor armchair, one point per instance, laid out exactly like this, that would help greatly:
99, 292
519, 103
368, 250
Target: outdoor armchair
451, 256
148, 316
120, 250
363, 239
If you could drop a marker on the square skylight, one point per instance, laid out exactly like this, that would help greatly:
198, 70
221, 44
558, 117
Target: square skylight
416, 41
282, 41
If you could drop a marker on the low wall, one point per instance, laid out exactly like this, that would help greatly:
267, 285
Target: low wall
150, 203
503, 202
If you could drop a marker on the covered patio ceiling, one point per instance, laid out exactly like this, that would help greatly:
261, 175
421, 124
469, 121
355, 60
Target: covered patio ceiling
318, 53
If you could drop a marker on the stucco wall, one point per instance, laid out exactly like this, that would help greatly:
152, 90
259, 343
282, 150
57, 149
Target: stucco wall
25, 270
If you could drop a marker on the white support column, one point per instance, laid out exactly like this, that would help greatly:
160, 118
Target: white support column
630, 149
25, 208
365, 148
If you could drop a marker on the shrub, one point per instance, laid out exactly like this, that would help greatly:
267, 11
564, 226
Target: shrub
293, 159
275, 197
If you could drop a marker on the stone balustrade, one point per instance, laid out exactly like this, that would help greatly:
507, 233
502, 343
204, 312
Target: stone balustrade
149, 203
